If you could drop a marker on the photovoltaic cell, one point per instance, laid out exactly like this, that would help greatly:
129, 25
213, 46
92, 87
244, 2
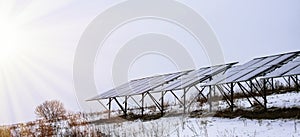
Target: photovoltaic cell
240, 74
295, 71
253, 70
263, 66
281, 59
216, 70
190, 83
273, 61
246, 65
237, 74
283, 69
222, 79
264, 61
254, 73
195, 77
297, 59
179, 83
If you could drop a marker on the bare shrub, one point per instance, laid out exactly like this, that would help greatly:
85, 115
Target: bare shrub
50, 110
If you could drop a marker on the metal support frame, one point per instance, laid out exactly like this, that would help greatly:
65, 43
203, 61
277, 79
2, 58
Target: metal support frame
143, 96
243, 88
135, 101
126, 105
102, 104
223, 93
232, 99
247, 97
184, 100
210, 97
289, 80
295, 79
162, 103
121, 107
177, 98
197, 96
272, 83
155, 101
252, 86
109, 107
200, 92
265, 94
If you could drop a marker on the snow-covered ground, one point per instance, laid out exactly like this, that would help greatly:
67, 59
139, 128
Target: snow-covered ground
286, 100
211, 127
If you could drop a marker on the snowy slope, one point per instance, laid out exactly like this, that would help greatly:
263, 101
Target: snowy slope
212, 127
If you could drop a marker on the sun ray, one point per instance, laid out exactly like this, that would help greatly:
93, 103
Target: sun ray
45, 7
12, 102
6, 7
5, 113
35, 57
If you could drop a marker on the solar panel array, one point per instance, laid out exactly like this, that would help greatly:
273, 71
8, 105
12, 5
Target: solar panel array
254, 68
173, 81
288, 69
274, 66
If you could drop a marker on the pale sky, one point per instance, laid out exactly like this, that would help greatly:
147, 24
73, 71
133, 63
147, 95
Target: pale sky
38, 40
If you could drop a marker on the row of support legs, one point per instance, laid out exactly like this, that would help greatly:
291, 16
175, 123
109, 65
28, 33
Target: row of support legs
158, 105
227, 91
252, 88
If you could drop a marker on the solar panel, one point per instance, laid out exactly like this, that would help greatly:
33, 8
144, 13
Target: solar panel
190, 83
139, 86
155, 82
178, 83
246, 65
245, 71
281, 59
283, 69
196, 76
297, 59
295, 71
239, 74
228, 73
264, 61
252, 69
254, 73
266, 64
216, 70
108, 93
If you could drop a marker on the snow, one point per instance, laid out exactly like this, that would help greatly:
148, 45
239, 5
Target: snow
287, 100
211, 127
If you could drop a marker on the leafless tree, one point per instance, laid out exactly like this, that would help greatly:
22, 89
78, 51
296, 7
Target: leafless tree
50, 110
